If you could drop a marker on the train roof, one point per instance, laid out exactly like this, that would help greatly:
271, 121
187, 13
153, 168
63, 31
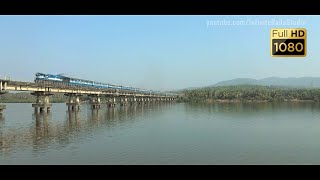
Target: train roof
74, 78
38, 74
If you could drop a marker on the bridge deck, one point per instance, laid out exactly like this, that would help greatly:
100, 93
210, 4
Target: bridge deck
29, 86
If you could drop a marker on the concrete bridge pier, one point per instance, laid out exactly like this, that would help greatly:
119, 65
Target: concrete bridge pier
3, 90
2, 107
112, 102
146, 101
123, 101
139, 101
95, 101
130, 100
150, 100
133, 101
73, 102
43, 102
3, 85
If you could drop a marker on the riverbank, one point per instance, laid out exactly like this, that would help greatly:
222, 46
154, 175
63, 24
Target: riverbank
249, 93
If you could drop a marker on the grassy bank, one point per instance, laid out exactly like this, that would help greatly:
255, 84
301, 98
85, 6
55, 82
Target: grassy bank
25, 97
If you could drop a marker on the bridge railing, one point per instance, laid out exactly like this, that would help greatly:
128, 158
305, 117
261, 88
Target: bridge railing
59, 86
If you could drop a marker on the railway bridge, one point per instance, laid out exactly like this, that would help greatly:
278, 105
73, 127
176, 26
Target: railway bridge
96, 95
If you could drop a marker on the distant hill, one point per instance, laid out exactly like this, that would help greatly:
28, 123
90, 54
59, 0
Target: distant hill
303, 82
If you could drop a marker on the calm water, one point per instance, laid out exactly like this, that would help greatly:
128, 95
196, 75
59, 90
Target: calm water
234, 133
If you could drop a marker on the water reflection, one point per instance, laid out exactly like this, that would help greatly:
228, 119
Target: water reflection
40, 132
41, 120
249, 107
1, 119
94, 117
73, 119
46, 132
221, 133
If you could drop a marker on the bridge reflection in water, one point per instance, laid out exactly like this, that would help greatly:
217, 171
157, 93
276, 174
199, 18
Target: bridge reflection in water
46, 132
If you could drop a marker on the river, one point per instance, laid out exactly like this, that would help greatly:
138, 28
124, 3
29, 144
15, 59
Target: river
172, 133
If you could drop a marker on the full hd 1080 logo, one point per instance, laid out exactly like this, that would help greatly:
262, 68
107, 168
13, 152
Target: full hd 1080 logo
289, 42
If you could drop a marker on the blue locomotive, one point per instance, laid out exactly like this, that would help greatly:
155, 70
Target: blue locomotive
68, 81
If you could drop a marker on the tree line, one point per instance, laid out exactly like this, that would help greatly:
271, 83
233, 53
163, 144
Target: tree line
249, 93
25, 97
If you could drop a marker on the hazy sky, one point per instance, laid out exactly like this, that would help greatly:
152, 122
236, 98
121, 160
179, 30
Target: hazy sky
153, 52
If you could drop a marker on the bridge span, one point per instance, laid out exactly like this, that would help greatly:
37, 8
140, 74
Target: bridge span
112, 98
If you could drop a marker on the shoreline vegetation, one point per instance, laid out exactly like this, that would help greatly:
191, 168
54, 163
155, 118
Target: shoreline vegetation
249, 93
26, 97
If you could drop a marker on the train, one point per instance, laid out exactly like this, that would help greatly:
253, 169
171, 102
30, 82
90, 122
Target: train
59, 79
